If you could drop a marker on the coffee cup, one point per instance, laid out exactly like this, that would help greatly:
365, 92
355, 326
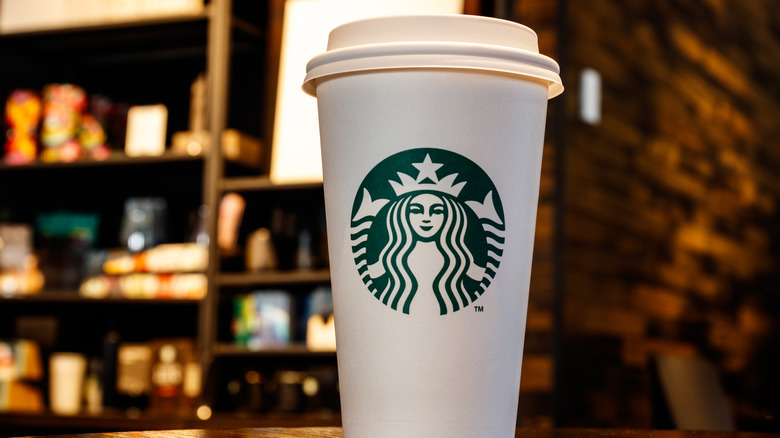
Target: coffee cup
432, 132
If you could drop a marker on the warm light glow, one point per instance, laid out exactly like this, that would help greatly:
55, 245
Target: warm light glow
194, 148
146, 127
252, 377
204, 412
296, 145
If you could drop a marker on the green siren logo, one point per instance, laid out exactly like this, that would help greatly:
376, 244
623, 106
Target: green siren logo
427, 231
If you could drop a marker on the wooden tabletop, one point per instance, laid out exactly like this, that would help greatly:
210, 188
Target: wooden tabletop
335, 432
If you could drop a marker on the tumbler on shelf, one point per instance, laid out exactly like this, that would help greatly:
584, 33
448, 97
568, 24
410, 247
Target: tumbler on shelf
66, 382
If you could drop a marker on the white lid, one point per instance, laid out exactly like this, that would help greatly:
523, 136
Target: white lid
433, 41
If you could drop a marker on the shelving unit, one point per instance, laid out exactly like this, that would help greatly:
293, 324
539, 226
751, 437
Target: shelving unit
154, 61
231, 362
274, 278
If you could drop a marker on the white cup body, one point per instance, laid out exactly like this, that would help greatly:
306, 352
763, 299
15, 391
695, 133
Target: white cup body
66, 382
421, 373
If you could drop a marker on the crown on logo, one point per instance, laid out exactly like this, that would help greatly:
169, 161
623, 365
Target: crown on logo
427, 172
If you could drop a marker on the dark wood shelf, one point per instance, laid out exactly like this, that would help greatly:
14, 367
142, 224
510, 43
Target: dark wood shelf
274, 278
115, 159
264, 183
72, 297
114, 43
118, 420
244, 26
109, 25
296, 350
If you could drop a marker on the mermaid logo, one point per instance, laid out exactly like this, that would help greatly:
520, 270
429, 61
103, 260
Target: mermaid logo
430, 242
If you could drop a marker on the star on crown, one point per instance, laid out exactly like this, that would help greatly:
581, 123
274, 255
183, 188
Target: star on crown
427, 180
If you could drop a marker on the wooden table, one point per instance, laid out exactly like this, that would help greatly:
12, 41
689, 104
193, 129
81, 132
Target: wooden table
335, 432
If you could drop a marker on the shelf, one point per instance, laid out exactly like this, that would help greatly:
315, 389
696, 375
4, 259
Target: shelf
139, 40
117, 420
106, 421
109, 25
264, 183
72, 297
232, 350
240, 24
112, 43
275, 278
115, 159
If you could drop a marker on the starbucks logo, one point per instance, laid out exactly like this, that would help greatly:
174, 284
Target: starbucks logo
427, 231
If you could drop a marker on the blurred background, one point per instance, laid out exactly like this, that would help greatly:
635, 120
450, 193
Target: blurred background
193, 287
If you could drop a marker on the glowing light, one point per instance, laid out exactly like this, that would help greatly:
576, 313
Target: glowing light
203, 412
296, 153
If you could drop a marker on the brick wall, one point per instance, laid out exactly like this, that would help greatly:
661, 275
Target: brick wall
670, 204
537, 388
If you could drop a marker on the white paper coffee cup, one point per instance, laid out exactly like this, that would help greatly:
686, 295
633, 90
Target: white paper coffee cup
432, 130
66, 382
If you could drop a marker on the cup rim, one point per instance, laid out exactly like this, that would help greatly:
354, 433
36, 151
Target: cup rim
386, 50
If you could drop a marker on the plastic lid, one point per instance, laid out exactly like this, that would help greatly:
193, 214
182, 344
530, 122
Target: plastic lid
436, 42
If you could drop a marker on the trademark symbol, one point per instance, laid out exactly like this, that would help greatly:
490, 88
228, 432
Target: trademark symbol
479, 309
